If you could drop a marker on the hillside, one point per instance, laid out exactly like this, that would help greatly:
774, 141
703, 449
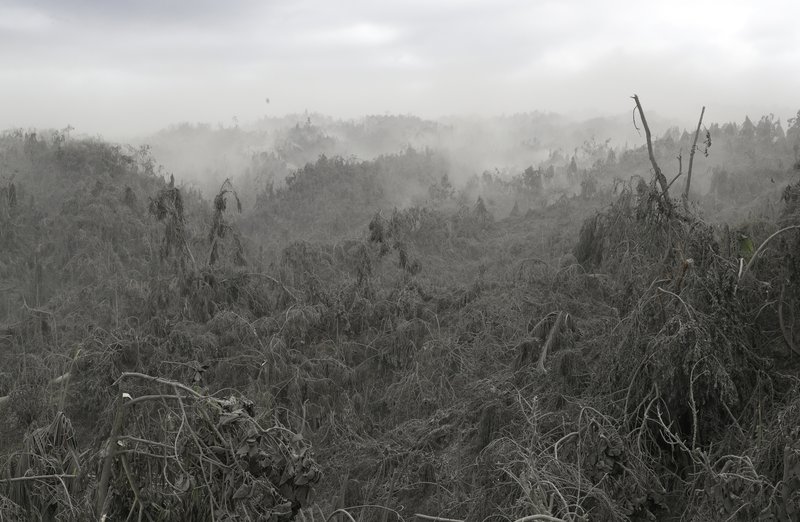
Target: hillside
389, 335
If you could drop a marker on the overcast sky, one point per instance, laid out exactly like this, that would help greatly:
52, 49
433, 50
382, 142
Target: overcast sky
118, 67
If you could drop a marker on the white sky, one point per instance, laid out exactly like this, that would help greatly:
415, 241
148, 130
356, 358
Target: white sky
121, 67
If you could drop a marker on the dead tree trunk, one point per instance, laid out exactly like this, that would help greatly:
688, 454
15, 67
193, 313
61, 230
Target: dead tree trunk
662, 180
691, 161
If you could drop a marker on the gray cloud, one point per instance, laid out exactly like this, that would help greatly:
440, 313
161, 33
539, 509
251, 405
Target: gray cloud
131, 66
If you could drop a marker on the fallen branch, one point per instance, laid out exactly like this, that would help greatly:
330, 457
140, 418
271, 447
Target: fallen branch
436, 519
160, 397
37, 477
546, 518
159, 380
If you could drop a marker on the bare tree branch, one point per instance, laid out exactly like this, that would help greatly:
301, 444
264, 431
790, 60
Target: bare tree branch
159, 380
662, 180
551, 339
37, 477
761, 248
544, 518
436, 519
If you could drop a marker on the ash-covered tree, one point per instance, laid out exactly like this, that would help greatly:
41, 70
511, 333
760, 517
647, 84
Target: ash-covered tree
532, 179
572, 169
482, 213
167, 207
748, 130
442, 190
793, 137
221, 229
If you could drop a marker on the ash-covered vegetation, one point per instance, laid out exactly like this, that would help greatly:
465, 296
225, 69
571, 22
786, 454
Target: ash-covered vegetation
474, 320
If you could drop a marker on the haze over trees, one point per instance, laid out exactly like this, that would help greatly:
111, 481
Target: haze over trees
393, 317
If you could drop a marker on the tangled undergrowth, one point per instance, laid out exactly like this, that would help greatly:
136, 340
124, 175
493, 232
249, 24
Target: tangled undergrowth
638, 366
